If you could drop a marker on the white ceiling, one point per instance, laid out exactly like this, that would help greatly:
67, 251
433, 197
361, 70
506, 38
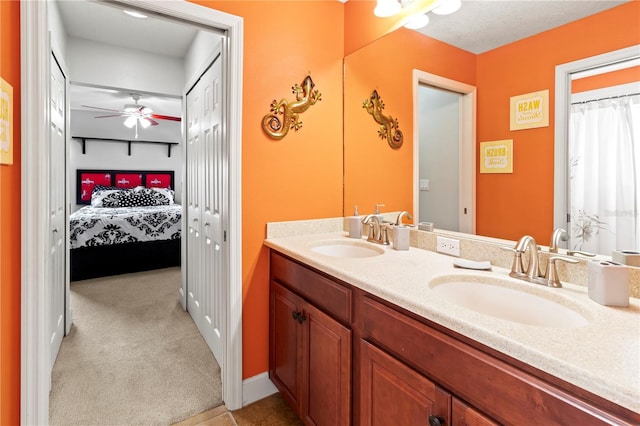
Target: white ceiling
482, 25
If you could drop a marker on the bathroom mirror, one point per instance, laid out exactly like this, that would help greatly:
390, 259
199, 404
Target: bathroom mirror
508, 205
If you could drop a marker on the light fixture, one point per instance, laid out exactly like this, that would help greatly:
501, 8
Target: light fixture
446, 7
131, 121
417, 21
135, 14
386, 8
144, 122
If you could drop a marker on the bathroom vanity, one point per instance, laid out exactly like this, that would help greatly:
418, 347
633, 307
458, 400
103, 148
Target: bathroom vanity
366, 340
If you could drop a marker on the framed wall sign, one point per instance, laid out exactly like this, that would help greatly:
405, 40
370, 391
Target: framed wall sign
530, 111
496, 156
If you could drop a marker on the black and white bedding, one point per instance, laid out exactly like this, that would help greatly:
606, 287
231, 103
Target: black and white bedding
124, 230
96, 226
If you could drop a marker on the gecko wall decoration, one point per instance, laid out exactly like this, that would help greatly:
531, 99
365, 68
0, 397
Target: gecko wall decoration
286, 115
389, 127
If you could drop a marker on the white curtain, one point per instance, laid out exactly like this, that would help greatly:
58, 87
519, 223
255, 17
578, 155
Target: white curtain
604, 188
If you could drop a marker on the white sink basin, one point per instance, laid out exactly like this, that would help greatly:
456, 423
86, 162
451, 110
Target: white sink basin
500, 299
346, 248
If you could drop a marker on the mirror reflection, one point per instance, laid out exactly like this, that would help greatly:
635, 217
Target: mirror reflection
506, 205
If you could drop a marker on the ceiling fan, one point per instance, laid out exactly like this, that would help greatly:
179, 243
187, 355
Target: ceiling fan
136, 114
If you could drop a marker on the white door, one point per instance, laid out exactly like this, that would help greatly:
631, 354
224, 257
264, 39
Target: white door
58, 231
206, 198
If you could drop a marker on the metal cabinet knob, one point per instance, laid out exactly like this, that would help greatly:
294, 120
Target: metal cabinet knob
436, 421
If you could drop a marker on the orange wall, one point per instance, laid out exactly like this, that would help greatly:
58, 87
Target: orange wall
362, 27
300, 176
511, 205
614, 78
374, 172
10, 226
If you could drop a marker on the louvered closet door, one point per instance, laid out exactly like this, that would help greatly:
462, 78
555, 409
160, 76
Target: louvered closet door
206, 273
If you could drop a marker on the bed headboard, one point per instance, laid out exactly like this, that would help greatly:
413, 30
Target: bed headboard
86, 179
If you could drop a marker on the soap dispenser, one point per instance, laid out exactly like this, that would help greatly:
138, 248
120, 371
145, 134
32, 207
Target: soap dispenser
378, 214
355, 225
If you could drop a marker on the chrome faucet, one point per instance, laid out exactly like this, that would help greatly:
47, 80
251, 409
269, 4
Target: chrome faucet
378, 232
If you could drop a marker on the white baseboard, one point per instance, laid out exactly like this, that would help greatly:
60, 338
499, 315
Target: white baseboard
257, 387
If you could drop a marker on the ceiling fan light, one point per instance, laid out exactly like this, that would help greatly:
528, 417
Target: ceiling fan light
417, 21
446, 7
146, 110
130, 121
144, 122
386, 8
131, 108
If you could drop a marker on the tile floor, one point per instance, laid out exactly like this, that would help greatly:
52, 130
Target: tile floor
270, 411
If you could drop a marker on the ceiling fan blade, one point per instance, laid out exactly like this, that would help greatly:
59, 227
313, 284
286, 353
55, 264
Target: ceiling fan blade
111, 115
104, 109
165, 117
152, 121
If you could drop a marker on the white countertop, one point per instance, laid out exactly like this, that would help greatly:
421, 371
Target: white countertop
602, 357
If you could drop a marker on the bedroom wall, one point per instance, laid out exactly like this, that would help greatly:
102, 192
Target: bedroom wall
114, 155
10, 225
105, 65
199, 54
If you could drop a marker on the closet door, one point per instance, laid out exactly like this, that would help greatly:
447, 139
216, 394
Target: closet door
195, 165
57, 212
206, 199
212, 209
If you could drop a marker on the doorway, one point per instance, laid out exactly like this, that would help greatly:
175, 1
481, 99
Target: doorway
463, 97
36, 295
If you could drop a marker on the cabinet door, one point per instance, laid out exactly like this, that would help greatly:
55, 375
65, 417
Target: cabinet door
465, 415
285, 367
326, 347
391, 393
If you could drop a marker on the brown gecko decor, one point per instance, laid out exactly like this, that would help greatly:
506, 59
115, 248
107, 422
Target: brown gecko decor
286, 115
389, 127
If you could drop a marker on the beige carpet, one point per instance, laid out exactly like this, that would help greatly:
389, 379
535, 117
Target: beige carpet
133, 357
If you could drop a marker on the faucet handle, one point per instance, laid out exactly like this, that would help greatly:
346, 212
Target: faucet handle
378, 208
582, 253
551, 276
517, 268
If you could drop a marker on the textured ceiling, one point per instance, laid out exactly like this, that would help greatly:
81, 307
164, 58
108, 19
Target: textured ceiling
481, 25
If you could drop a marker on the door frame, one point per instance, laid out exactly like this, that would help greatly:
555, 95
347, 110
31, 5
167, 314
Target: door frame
34, 59
561, 116
467, 131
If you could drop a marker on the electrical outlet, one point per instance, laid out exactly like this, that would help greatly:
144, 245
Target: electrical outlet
448, 246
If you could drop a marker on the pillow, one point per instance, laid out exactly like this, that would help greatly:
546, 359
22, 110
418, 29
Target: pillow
106, 197
165, 192
138, 198
98, 188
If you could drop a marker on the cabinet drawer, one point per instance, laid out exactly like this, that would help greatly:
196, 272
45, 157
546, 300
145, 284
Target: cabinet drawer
498, 389
323, 292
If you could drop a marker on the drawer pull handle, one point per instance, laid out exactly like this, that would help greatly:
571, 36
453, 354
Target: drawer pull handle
436, 421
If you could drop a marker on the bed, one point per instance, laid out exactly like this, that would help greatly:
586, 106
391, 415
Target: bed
130, 222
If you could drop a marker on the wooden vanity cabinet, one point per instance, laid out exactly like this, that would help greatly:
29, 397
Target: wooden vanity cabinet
497, 391
310, 350
329, 340
393, 394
